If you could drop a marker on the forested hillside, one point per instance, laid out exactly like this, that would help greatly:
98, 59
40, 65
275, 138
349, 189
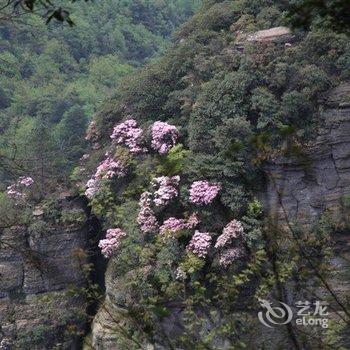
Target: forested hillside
209, 198
53, 78
180, 157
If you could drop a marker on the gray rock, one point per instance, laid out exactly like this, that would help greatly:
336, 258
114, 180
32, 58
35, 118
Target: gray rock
324, 180
36, 270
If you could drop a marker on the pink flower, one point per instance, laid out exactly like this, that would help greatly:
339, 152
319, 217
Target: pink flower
107, 169
172, 226
230, 255
233, 229
13, 192
110, 168
202, 192
200, 244
112, 242
164, 137
130, 135
146, 217
26, 181
192, 221
166, 189
16, 190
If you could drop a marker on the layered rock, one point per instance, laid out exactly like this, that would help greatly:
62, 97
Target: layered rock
318, 179
275, 35
38, 265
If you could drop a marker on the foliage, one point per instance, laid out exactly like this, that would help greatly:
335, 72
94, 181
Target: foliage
331, 13
178, 156
54, 77
234, 108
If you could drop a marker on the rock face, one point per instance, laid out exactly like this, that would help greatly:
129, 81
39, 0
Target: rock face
275, 35
320, 178
306, 186
37, 266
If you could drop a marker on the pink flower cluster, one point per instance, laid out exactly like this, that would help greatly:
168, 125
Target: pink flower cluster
167, 189
92, 188
26, 181
230, 255
164, 137
112, 242
107, 169
203, 192
130, 135
146, 217
200, 244
13, 192
16, 190
233, 229
173, 225
110, 168
192, 221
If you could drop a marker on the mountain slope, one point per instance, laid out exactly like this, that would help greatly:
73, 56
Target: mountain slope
54, 78
226, 100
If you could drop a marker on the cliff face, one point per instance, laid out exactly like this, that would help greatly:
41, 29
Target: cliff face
306, 186
320, 178
37, 266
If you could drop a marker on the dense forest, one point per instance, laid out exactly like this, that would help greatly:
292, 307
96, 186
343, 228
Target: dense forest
53, 79
175, 151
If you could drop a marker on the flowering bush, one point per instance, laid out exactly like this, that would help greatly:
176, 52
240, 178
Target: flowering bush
146, 217
26, 181
164, 137
112, 242
230, 255
107, 169
110, 168
13, 192
192, 221
169, 240
130, 135
172, 226
202, 192
180, 274
233, 229
166, 189
199, 244
16, 190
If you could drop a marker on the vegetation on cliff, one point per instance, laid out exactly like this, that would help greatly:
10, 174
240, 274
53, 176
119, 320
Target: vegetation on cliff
53, 79
235, 104
177, 160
